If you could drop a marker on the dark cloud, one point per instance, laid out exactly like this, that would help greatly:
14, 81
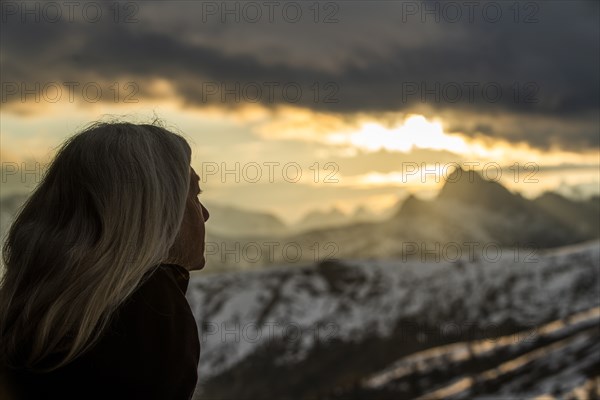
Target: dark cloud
373, 61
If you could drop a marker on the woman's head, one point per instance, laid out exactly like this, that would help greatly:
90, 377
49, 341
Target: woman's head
108, 210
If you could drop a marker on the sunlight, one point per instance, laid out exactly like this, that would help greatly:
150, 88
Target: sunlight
415, 132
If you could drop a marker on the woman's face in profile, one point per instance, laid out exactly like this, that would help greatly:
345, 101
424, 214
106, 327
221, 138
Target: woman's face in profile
188, 249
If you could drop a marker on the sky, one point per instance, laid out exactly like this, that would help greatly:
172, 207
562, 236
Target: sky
292, 106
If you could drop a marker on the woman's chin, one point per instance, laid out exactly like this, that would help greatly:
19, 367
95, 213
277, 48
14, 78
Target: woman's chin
200, 265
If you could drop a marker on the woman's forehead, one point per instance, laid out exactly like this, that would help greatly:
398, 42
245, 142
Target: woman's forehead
194, 178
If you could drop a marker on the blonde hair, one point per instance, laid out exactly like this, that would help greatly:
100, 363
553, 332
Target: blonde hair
106, 212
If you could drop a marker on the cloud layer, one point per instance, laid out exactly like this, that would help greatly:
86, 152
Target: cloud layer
514, 79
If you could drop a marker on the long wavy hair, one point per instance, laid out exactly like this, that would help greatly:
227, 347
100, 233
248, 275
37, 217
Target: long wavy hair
106, 212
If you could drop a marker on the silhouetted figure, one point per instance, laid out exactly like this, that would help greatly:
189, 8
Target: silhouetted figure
92, 302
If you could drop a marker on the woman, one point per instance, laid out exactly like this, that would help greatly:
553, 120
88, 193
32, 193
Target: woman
92, 303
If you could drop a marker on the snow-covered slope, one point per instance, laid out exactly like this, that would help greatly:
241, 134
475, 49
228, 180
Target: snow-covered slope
356, 300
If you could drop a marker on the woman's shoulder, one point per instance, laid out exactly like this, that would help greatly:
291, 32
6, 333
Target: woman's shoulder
155, 334
150, 348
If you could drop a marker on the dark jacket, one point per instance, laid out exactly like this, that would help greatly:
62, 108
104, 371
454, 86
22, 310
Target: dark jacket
150, 350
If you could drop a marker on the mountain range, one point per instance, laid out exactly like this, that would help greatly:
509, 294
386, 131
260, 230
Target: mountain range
387, 329
469, 214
